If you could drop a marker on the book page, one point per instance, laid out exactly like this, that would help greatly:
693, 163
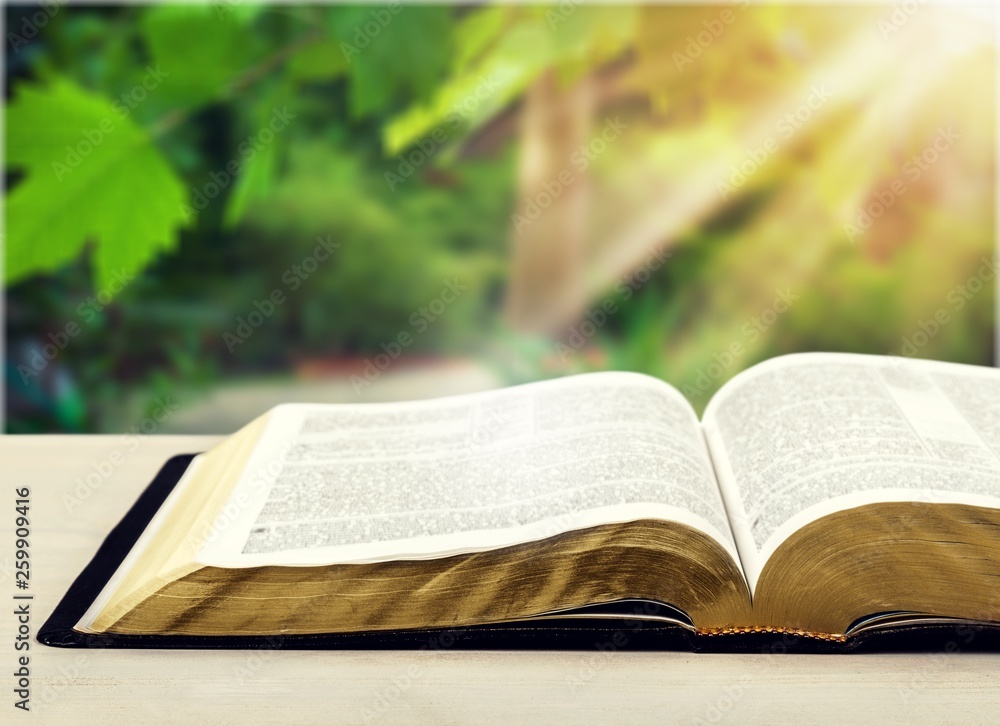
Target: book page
372, 482
802, 436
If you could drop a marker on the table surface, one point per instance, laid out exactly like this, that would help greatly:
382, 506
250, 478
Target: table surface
431, 686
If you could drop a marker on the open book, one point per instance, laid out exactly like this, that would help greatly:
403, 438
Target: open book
821, 494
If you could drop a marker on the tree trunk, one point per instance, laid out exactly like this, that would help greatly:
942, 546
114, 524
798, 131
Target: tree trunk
549, 236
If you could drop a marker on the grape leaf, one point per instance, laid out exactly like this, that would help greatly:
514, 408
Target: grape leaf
321, 61
500, 54
252, 185
202, 53
468, 99
91, 176
391, 51
234, 10
478, 30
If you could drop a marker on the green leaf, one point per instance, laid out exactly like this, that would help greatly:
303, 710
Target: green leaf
91, 176
322, 61
478, 30
252, 184
403, 50
202, 53
592, 33
236, 11
501, 54
470, 98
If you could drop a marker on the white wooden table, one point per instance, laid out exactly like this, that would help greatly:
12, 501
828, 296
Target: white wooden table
433, 687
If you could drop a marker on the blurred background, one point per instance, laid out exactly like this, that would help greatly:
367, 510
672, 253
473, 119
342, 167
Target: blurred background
215, 208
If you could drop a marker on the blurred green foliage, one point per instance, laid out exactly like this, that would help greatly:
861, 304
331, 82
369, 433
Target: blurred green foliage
217, 84
202, 152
